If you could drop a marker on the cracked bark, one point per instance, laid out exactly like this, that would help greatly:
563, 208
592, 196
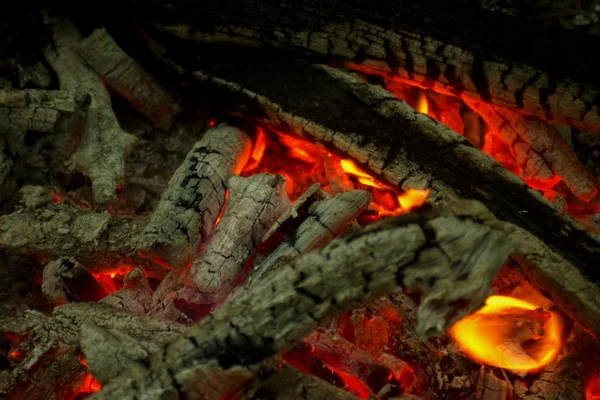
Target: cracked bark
254, 205
187, 211
400, 146
128, 78
325, 220
103, 145
441, 45
450, 258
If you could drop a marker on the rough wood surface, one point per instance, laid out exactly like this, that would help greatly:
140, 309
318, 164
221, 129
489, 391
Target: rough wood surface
186, 213
450, 258
539, 150
439, 44
57, 230
397, 144
135, 296
325, 220
103, 145
128, 78
254, 204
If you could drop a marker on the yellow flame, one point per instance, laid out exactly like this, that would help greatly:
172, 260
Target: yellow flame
484, 340
422, 104
412, 198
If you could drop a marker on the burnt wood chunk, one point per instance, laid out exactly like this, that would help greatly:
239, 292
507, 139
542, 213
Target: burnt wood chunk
186, 213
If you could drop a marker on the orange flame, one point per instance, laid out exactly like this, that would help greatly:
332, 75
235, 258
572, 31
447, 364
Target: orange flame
422, 103
510, 333
592, 389
259, 149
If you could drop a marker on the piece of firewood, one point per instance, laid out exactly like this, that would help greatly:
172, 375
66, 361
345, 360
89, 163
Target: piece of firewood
441, 45
395, 143
128, 78
452, 264
254, 204
291, 384
186, 213
65, 280
325, 220
539, 149
135, 296
55, 230
103, 145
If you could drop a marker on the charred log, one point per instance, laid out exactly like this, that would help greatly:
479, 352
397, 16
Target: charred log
450, 258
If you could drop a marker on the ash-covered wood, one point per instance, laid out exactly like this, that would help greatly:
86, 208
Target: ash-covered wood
254, 204
439, 44
128, 78
186, 213
56, 230
404, 148
65, 281
103, 145
325, 220
538, 149
450, 258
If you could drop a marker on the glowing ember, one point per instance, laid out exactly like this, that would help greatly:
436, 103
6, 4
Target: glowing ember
412, 198
353, 384
510, 333
112, 279
592, 389
15, 354
258, 151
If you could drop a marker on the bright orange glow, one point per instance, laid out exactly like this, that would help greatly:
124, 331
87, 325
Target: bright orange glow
510, 333
301, 155
258, 150
422, 104
88, 384
592, 389
15, 354
412, 198
350, 167
56, 199
111, 279
353, 384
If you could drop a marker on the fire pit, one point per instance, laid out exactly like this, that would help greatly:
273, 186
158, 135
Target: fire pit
296, 201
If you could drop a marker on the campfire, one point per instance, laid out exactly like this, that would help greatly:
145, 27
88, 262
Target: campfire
349, 215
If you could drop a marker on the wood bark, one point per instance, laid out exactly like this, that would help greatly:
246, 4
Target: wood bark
450, 258
325, 220
65, 280
103, 145
186, 213
409, 150
441, 45
254, 204
128, 78
135, 296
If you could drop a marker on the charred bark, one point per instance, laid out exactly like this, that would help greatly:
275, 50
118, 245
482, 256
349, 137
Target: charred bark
441, 45
408, 149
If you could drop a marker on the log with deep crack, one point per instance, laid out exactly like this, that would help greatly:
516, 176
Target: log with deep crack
128, 78
103, 145
438, 44
188, 210
325, 220
539, 150
254, 204
52, 368
412, 149
450, 258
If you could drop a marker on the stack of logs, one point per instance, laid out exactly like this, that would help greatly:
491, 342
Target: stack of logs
324, 294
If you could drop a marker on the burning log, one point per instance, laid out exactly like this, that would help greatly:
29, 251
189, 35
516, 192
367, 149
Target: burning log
452, 265
65, 281
402, 151
539, 150
128, 78
254, 205
459, 51
103, 144
188, 210
325, 220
